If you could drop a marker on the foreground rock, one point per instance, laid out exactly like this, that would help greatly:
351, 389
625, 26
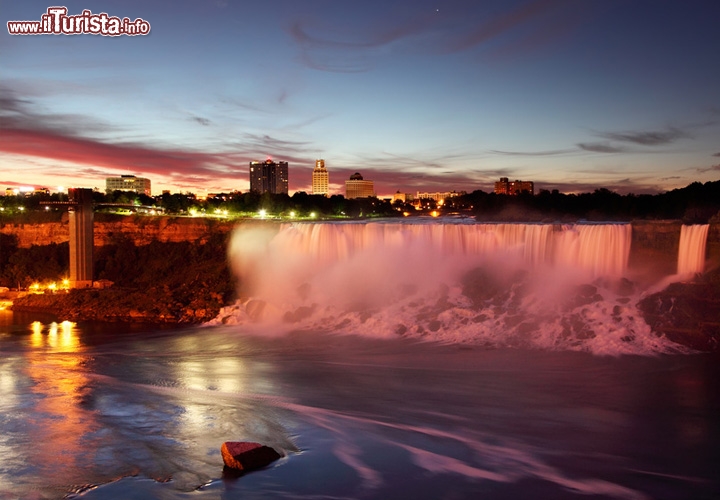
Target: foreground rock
687, 313
244, 456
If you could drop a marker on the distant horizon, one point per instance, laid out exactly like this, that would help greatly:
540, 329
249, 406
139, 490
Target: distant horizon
63, 189
415, 95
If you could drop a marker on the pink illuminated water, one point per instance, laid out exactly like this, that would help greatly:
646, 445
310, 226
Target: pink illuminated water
691, 255
522, 285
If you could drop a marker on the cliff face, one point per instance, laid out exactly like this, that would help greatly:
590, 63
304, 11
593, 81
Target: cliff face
140, 230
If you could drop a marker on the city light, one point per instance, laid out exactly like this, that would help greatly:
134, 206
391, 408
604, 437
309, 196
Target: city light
292, 214
21, 209
312, 215
262, 213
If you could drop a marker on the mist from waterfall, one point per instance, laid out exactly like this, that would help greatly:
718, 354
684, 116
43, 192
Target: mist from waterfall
519, 285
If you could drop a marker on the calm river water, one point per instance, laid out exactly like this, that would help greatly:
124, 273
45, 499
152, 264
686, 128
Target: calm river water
115, 412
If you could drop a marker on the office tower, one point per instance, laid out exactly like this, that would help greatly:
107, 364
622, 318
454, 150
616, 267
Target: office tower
269, 177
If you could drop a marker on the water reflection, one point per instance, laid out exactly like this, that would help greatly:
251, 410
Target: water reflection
44, 393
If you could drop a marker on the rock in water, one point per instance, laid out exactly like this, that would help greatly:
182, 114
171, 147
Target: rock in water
242, 455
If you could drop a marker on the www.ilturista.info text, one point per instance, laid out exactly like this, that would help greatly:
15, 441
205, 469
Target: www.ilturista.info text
57, 22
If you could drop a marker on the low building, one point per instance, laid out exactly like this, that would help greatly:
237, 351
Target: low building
139, 185
439, 197
357, 187
505, 186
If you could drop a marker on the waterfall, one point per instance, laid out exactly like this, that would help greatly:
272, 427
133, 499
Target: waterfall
524, 285
598, 249
691, 255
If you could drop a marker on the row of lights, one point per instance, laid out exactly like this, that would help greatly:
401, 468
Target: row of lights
38, 288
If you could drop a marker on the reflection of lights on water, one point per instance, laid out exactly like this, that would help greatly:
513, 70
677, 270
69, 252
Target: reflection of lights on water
61, 335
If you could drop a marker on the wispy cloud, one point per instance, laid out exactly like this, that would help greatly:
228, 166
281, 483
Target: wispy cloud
453, 27
714, 168
647, 138
552, 152
600, 147
509, 22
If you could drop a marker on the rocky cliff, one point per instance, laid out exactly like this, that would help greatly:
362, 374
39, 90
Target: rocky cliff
108, 228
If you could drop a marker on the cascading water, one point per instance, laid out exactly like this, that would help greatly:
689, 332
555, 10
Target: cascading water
691, 255
524, 285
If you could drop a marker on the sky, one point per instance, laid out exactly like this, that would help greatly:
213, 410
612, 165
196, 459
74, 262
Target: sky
415, 95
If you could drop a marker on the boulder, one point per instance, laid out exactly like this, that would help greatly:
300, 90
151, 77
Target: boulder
243, 455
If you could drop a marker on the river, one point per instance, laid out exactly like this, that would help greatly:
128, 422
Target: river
117, 412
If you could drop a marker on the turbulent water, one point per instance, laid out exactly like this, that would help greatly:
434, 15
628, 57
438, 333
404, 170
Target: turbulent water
562, 287
99, 414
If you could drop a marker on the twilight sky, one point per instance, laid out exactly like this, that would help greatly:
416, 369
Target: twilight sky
415, 95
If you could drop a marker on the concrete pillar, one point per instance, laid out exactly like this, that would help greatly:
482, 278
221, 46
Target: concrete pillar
81, 237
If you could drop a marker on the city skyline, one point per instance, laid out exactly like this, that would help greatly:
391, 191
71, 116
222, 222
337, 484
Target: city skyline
419, 96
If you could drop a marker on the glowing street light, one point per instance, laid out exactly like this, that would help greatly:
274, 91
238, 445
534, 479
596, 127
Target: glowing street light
21, 209
262, 213
292, 214
312, 215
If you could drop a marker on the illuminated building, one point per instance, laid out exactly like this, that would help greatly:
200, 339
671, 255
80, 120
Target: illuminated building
269, 177
320, 179
440, 197
504, 186
139, 185
357, 187
403, 197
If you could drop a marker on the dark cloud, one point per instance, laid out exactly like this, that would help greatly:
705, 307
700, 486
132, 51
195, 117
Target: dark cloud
717, 154
202, 121
649, 138
599, 147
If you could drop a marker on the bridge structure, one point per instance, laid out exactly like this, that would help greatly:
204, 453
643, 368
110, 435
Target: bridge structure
80, 210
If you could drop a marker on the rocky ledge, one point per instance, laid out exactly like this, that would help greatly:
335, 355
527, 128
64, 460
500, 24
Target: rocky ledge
687, 313
156, 305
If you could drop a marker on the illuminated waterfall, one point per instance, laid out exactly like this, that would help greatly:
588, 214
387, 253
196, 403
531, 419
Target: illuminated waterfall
598, 249
691, 255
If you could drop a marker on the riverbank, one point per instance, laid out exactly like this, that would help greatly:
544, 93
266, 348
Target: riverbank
155, 305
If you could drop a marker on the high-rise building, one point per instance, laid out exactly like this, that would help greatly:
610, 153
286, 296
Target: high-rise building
269, 177
320, 179
505, 186
140, 185
357, 187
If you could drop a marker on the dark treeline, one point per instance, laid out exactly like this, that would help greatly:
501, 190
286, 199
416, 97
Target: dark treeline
19, 267
234, 203
696, 203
